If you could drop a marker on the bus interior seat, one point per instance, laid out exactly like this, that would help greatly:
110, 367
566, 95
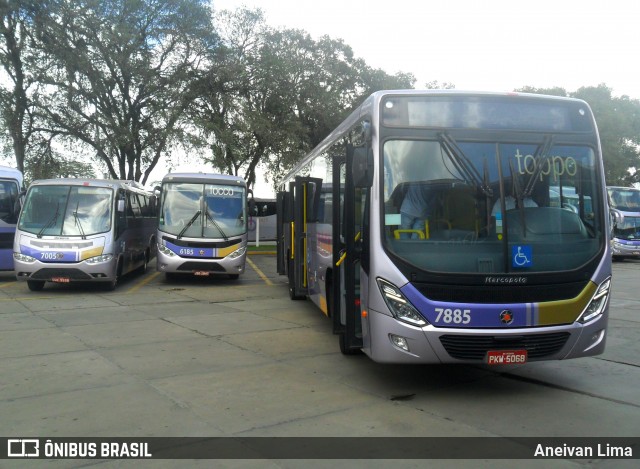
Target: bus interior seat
544, 223
455, 214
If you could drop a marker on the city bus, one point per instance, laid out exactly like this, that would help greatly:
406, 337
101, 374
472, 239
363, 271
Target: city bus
435, 227
262, 220
202, 225
84, 230
625, 233
10, 187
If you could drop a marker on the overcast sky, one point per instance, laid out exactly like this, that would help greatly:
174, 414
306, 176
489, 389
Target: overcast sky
492, 45
485, 45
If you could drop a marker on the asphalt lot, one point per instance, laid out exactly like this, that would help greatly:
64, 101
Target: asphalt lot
216, 357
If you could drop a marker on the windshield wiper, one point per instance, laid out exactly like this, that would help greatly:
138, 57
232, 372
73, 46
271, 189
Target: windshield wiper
464, 166
77, 219
52, 221
518, 195
189, 223
208, 215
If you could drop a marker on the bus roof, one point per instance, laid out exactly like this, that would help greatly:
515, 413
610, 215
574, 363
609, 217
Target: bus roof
204, 177
374, 99
6, 172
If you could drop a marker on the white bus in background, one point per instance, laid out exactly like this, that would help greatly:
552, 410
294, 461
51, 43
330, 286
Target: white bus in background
10, 185
262, 220
79, 230
202, 225
624, 203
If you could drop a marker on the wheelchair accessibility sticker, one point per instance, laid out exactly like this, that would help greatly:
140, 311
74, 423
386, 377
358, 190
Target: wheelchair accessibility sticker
521, 256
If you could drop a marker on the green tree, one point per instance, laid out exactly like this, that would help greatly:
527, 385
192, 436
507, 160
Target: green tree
286, 93
18, 18
120, 75
618, 120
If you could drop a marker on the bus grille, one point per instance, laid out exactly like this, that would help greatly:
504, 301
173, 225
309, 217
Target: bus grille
73, 274
500, 294
203, 266
464, 347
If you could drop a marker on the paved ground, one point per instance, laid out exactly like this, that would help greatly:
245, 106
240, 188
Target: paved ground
207, 357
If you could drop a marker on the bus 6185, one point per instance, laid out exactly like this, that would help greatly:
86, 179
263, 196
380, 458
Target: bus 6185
202, 225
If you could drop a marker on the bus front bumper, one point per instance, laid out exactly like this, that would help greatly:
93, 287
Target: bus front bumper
67, 272
457, 345
199, 266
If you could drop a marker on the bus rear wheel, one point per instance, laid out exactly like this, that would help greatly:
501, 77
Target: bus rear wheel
35, 285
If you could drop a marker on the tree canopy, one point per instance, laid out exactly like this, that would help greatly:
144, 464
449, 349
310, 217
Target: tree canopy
115, 86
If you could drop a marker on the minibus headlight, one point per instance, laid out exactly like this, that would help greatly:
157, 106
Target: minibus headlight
165, 250
238, 252
597, 303
23, 258
99, 259
399, 306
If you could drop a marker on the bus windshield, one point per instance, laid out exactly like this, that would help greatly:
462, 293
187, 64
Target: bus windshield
624, 199
202, 210
491, 206
59, 210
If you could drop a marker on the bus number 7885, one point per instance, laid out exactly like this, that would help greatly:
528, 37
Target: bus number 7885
453, 316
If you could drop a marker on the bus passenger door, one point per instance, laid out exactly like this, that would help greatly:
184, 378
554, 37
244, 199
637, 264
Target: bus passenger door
348, 211
305, 193
284, 212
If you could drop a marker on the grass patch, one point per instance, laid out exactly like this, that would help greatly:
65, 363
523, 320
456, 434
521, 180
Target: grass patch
262, 248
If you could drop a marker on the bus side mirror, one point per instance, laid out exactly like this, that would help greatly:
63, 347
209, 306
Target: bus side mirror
616, 216
362, 167
120, 207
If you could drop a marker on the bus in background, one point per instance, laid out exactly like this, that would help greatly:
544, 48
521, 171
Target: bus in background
10, 187
84, 230
262, 220
450, 227
625, 210
202, 225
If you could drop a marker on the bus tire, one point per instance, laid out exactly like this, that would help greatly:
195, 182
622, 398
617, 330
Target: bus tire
35, 285
112, 284
342, 340
145, 263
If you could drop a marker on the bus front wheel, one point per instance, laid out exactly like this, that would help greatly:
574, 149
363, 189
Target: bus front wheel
344, 348
35, 285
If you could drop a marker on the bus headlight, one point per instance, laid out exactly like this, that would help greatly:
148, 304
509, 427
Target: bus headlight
238, 252
99, 259
23, 258
165, 250
399, 306
597, 303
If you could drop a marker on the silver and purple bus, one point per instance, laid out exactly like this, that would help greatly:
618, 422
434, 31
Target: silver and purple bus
625, 232
10, 187
454, 227
84, 230
202, 225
